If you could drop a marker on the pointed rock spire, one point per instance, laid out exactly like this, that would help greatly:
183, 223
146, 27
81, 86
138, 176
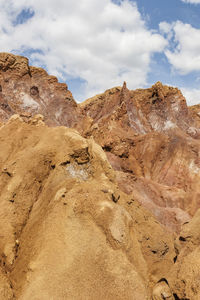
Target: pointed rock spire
124, 93
124, 86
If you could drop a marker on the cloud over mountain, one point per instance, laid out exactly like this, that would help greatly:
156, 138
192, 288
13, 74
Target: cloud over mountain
101, 42
191, 1
184, 51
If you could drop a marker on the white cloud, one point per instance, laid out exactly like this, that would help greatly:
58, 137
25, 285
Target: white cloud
191, 1
98, 41
185, 43
192, 95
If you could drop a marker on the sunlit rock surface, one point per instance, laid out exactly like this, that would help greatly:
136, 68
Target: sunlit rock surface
97, 199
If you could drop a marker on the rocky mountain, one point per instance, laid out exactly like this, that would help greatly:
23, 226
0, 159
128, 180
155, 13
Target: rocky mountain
152, 140
28, 90
99, 200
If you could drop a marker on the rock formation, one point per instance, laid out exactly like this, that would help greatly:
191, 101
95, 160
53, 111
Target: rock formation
28, 90
107, 209
195, 111
152, 141
67, 231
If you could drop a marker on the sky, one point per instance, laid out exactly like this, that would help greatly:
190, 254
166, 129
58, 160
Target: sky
93, 45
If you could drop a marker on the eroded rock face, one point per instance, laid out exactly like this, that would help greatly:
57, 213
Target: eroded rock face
195, 111
27, 91
150, 137
152, 140
185, 274
78, 222
66, 228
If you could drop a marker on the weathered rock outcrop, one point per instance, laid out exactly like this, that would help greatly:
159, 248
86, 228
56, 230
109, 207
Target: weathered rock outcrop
185, 275
78, 222
28, 90
152, 141
195, 111
67, 231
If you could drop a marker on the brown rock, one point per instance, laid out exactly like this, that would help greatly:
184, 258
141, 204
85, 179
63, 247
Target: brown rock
76, 221
184, 277
162, 291
61, 237
27, 91
195, 111
152, 140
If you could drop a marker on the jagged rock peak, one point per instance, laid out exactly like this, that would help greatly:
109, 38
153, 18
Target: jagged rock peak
164, 90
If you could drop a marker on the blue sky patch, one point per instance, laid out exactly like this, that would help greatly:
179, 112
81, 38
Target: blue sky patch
96, 45
23, 16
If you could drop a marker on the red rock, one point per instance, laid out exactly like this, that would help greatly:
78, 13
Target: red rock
75, 221
152, 140
27, 91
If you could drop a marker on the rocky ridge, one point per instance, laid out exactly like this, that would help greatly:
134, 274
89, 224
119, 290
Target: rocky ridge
152, 141
28, 90
78, 222
66, 228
